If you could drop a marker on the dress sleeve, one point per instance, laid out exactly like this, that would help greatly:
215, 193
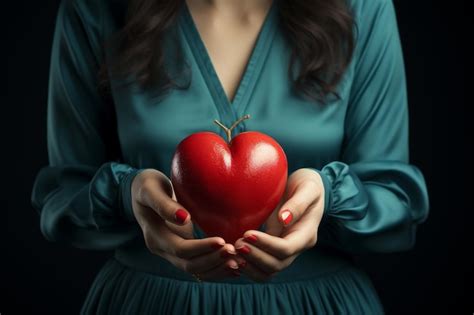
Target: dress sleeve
374, 199
83, 195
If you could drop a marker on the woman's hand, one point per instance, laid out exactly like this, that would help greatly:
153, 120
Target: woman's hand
290, 229
168, 231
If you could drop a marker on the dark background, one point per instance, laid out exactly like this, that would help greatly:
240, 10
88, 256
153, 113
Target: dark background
43, 277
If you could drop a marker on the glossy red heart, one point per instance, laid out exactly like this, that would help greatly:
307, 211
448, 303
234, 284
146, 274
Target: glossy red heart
229, 187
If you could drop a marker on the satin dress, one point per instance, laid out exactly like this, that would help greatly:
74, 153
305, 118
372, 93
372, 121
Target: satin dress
374, 197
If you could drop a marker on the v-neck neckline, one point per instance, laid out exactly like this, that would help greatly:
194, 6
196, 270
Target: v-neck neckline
231, 109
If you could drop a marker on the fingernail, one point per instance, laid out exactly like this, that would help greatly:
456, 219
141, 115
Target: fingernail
233, 267
286, 216
244, 249
216, 246
180, 215
226, 254
243, 264
251, 238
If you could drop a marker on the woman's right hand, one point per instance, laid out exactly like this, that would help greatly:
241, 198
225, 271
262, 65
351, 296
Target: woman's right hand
168, 231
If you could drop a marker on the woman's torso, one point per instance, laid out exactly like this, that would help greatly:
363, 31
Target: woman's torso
149, 129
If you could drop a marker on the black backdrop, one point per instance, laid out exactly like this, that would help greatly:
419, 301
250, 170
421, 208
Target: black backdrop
42, 277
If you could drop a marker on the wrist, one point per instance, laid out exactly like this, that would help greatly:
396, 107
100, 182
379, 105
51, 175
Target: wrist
327, 191
126, 200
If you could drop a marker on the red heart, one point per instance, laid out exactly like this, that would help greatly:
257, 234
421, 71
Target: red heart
229, 188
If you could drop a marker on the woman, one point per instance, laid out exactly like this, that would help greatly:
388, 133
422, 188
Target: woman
325, 79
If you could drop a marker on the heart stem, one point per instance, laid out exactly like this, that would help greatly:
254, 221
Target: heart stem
228, 131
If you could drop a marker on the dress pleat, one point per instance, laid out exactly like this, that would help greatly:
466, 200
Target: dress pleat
119, 289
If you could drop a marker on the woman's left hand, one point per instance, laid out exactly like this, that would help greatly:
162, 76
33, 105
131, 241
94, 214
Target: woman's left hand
291, 229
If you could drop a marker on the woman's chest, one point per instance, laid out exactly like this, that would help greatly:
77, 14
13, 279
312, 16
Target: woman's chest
310, 133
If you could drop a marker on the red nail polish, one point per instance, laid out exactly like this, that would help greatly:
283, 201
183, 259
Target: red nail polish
251, 238
286, 216
216, 246
243, 264
244, 249
180, 215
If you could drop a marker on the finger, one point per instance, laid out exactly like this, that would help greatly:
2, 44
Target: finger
303, 233
297, 203
185, 231
240, 261
159, 237
273, 225
280, 247
259, 258
191, 248
255, 273
157, 194
200, 264
206, 262
228, 269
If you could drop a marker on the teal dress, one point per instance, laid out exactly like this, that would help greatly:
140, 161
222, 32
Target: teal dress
374, 199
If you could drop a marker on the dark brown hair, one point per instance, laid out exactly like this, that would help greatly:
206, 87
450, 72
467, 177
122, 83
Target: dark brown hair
319, 31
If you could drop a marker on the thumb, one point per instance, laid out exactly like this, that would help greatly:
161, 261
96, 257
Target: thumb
273, 225
158, 195
297, 203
